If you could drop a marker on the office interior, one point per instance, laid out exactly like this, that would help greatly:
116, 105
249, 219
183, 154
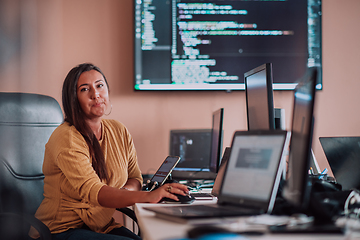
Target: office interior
42, 40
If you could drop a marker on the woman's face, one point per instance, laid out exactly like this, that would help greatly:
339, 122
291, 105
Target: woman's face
93, 94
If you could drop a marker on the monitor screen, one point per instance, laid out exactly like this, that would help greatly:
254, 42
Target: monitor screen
297, 189
210, 44
193, 148
259, 98
216, 140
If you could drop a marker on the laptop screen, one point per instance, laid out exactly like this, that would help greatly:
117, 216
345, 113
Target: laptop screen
254, 165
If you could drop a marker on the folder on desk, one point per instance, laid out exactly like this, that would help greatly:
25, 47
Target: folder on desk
250, 182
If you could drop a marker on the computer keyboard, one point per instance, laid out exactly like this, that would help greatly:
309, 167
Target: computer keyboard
201, 195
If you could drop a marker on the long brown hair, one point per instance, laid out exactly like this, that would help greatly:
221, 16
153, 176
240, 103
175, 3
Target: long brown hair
74, 115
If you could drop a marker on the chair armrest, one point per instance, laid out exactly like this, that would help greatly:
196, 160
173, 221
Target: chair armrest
131, 214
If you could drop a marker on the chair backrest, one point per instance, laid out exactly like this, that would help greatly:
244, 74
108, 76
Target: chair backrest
26, 123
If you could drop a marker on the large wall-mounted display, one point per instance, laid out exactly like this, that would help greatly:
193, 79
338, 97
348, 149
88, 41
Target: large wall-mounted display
210, 44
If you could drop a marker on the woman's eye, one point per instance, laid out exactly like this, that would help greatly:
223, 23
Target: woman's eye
100, 85
83, 89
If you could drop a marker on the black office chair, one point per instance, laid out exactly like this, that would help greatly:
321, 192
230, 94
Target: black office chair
26, 123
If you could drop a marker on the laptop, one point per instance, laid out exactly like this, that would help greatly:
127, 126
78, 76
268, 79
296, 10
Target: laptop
218, 180
250, 182
343, 155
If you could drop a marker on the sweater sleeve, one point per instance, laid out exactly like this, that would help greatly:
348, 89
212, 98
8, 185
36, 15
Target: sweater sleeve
82, 180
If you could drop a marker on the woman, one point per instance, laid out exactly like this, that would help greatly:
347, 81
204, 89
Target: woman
90, 165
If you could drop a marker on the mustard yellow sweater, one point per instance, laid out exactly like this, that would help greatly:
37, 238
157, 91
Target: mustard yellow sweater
71, 185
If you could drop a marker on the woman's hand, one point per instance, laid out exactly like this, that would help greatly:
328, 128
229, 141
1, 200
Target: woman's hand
167, 190
117, 198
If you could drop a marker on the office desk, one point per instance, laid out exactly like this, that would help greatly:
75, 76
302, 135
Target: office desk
154, 228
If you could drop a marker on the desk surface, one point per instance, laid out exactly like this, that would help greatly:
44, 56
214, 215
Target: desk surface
154, 228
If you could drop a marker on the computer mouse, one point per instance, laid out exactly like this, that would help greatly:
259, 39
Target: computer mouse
182, 199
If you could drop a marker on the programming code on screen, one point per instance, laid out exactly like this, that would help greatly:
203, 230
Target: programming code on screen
187, 44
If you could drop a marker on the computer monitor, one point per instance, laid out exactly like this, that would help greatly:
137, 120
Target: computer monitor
216, 140
259, 98
200, 150
193, 147
183, 45
297, 188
